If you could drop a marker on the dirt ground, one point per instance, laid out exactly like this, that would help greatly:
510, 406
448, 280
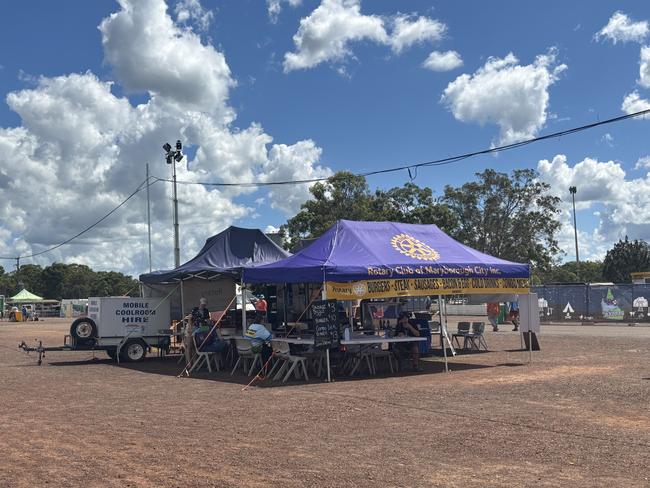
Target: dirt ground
578, 416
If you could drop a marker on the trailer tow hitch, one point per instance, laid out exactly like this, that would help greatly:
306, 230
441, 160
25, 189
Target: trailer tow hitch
39, 349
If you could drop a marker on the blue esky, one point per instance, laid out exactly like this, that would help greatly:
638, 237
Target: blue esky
367, 104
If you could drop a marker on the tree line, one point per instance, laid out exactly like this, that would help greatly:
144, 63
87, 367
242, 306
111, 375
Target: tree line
58, 281
511, 216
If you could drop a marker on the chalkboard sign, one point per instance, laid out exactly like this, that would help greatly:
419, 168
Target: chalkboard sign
326, 330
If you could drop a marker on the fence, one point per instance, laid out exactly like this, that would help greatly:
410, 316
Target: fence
600, 303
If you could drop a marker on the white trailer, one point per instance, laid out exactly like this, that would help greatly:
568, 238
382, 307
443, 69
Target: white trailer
126, 328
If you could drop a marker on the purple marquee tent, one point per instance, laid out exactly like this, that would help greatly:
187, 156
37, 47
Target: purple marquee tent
422, 255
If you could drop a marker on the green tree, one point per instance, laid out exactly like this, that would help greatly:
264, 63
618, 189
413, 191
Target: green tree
509, 216
589, 272
347, 196
53, 277
343, 196
30, 276
111, 283
624, 258
412, 204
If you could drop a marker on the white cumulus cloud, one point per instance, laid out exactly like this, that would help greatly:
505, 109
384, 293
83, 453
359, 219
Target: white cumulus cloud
296, 162
644, 67
626, 200
150, 53
80, 150
643, 162
274, 7
506, 93
621, 28
409, 30
192, 11
443, 61
633, 103
326, 33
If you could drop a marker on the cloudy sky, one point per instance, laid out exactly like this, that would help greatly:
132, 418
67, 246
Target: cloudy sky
268, 90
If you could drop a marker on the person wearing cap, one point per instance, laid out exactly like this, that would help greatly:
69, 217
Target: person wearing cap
260, 338
201, 314
206, 336
404, 328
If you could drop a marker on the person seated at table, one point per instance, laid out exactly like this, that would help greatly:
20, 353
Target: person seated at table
208, 340
404, 328
260, 338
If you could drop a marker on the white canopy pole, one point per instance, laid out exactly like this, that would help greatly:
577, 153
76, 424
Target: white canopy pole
243, 308
327, 351
182, 303
443, 333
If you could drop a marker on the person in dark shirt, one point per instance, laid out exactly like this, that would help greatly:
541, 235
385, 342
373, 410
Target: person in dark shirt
404, 328
206, 336
200, 314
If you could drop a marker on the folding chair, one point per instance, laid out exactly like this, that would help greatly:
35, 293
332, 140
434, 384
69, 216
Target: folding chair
245, 352
379, 353
476, 338
315, 361
287, 362
356, 355
203, 357
463, 331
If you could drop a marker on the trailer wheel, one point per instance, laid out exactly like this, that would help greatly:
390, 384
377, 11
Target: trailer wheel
112, 353
83, 329
133, 351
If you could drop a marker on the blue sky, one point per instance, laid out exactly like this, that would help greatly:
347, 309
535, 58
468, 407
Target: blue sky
367, 103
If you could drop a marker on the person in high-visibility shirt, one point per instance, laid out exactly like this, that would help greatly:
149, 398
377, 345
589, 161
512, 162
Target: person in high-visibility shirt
260, 338
493, 310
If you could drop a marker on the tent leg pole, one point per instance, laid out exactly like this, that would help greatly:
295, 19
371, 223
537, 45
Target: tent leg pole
443, 335
530, 347
182, 303
327, 351
243, 309
327, 356
284, 307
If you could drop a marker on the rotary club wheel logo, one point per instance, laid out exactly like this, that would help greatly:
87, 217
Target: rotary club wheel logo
359, 289
414, 248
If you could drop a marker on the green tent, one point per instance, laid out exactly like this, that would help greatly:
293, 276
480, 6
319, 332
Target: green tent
25, 297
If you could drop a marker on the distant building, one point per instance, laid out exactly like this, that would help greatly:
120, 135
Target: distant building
641, 278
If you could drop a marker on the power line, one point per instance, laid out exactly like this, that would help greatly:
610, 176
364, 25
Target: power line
437, 162
137, 190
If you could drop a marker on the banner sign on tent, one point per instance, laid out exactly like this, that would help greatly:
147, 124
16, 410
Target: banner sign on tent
424, 287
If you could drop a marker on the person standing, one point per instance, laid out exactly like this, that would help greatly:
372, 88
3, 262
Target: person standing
24, 312
261, 306
514, 315
493, 309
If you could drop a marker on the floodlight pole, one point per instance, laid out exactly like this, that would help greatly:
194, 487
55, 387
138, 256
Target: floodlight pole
149, 217
173, 157
573, 190
17, 273
177, 249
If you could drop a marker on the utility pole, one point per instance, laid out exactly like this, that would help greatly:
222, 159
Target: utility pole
18, 273
173, 157
573, 190
149, 217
